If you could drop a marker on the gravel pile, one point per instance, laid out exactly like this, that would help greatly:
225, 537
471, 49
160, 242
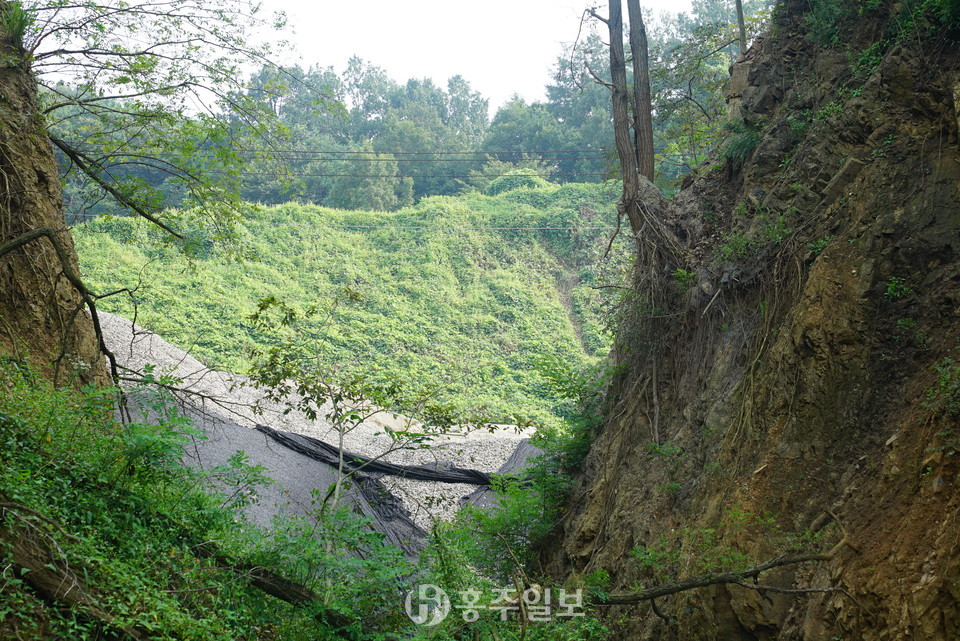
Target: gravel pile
222, 404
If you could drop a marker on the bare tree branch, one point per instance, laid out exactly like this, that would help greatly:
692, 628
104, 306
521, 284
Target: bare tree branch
704, 580
598, 79
81, 161
593, 12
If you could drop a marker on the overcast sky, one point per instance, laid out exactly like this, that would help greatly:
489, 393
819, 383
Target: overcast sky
501, 47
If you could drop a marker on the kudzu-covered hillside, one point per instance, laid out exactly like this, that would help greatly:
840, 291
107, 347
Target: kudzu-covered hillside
480, 296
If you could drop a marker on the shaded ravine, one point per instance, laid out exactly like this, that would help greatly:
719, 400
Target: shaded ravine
804, 382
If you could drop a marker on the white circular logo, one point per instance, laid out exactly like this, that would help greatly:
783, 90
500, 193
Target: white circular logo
433, 605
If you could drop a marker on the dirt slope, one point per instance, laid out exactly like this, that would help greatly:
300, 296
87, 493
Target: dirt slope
41, 317
802, 376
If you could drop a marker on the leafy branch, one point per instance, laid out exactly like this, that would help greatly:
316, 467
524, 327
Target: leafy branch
156, 82
90, 168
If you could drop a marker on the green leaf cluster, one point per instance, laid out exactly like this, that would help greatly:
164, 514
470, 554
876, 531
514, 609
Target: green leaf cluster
943, 397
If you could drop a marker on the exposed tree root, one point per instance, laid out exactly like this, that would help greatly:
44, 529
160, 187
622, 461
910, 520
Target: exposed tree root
88, 298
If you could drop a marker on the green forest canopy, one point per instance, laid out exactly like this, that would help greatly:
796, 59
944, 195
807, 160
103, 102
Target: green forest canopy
358, 139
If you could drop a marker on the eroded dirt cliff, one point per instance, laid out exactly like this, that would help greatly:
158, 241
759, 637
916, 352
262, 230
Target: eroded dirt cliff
800, 377
42, 316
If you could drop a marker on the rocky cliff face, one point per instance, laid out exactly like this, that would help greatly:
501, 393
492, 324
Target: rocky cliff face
801, 377
42, 316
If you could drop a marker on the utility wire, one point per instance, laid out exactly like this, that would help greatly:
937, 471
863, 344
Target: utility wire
278, 174
481, 153
565, 154
291, 156
273, 224
299, 174
308, 155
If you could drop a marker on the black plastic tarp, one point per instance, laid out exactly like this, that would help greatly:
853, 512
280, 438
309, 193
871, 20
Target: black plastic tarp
329, 454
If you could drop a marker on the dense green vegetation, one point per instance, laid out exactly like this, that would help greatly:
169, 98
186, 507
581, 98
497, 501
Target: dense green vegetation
468, 295
165, 550
152, 549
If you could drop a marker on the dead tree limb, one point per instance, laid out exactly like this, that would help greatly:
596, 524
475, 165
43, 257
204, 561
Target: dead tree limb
89, 167
37, 555
31, 552
704, 580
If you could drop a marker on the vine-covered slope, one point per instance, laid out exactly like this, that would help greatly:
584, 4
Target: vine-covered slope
463, 294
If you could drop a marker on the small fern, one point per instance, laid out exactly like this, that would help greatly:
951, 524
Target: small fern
15, 20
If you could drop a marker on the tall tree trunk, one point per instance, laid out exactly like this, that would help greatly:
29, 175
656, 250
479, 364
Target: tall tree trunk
41, 310
621, 117
643, 109
741, 23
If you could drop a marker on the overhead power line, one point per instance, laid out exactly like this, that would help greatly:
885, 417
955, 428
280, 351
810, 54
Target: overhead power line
479, 153
431, 227
296, 174
453, 228
292, 156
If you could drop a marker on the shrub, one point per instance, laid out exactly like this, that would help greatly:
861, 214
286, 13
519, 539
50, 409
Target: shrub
828, 111
819, 245
823, 21
736, 247
684, 279
943, 397
516, 179
897, 288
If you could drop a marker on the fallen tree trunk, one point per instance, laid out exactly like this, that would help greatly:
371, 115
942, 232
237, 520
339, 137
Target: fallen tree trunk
31, 554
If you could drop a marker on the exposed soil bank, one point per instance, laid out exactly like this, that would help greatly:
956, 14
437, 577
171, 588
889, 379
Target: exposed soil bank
796, 376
